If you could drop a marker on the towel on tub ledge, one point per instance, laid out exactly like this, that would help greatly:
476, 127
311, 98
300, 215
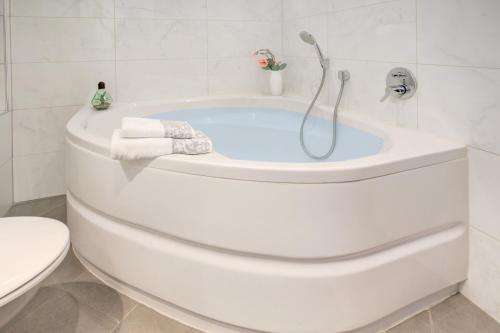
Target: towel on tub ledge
134, 149
155, 128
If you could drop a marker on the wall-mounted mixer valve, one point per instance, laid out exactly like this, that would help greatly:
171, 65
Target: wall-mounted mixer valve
400, 83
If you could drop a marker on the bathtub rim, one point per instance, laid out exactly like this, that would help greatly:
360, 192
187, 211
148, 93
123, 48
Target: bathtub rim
404, 149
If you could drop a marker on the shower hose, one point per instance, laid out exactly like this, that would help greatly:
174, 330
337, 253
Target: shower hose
343, 76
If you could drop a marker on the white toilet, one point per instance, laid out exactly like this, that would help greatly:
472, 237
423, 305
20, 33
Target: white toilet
30, 249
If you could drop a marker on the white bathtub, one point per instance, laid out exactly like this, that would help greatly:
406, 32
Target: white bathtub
231, 245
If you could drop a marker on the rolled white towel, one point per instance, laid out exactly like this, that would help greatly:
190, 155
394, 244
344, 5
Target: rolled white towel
134, 149
155, 128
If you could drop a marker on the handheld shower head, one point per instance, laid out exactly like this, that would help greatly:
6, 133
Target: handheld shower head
309, 39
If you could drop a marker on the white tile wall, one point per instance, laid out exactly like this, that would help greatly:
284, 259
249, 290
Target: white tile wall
301, 8
302, 78
3, 101
161, 79
383, 32
461, 103
452, 47
5, 127
3, 78
63, 8
174, 9
2, 36
38, 175
266, 10
36, 85
225, 77
484, 180
36, 39
6, 189
160, 39
294, 46
462, 33
241, 38
40, 130
5, 138
482, 286
338, 5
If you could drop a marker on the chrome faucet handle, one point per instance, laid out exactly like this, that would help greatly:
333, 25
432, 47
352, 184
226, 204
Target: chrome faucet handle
399, 90
400, 83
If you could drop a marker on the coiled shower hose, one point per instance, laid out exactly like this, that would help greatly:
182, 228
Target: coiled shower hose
343, 76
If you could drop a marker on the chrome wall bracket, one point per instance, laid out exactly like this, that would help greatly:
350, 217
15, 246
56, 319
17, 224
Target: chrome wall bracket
400, 83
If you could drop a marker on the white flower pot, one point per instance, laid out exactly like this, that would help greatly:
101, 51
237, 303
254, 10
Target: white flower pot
276, 83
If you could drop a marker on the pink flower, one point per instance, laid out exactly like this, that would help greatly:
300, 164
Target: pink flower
263, 63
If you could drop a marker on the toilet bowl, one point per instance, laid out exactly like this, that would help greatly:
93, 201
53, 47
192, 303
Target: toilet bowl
30, 249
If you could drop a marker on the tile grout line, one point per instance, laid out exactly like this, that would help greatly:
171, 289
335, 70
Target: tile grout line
335, 11
460, 66
484, 233
431, 320
146, 18
165, 59
329, 84
130, 311
115, 36
41, 153
119, 323
417, 95
207, 67
484, 150
79, 301
9, 87
40, 199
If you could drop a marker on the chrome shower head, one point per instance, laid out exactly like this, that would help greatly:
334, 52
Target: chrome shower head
309, 39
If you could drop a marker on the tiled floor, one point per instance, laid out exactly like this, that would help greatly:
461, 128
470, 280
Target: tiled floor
455, 315
73, 301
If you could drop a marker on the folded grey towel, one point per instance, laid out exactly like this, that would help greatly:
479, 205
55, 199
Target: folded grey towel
177, 129
199, 144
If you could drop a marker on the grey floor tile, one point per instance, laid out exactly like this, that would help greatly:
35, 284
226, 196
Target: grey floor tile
58, 213
417, 324
100, 297
61, 313
86, 276
143, 319
69, 270
72, 277
42, 296
40, 207
458, 315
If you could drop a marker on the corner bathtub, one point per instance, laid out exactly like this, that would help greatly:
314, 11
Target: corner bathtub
256, 236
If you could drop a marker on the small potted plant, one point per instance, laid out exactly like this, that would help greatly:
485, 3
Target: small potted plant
267, 61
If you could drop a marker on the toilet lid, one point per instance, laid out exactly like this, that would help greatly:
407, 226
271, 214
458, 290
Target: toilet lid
28, 245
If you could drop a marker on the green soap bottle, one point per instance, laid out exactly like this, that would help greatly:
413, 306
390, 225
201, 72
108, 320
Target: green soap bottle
102, 99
